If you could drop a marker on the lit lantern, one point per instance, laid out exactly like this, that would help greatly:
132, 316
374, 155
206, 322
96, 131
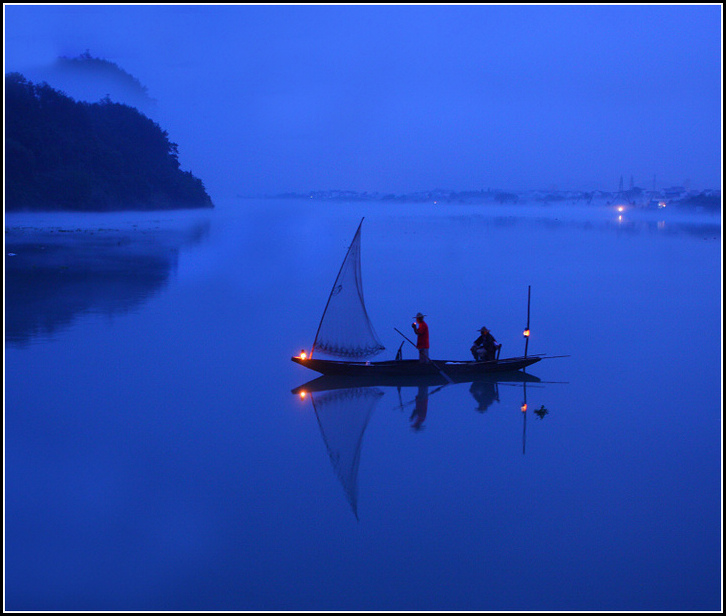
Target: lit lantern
524, 407
303, 354
526, 333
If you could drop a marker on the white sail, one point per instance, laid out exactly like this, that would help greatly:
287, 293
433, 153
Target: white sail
345, 329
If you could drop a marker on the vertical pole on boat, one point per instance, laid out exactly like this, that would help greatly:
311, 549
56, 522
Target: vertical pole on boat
526, 331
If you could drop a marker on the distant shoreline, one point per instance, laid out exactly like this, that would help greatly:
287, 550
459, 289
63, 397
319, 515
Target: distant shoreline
677, 196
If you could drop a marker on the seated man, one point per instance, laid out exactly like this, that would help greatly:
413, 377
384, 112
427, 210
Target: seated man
485, 347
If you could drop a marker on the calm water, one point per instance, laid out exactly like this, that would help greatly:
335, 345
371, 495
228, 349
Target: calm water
157, 459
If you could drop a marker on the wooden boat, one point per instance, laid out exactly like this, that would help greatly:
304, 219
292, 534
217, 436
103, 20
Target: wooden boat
414, 368
336, 337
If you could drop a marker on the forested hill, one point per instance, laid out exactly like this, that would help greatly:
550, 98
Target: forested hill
61, 154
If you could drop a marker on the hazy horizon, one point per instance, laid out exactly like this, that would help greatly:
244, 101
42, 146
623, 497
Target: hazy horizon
399, 99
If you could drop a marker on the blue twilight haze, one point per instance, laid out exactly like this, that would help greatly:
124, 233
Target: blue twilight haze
163, 453
270, 99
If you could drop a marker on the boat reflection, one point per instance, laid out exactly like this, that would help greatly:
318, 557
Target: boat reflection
328, 382
53, 275
344, 405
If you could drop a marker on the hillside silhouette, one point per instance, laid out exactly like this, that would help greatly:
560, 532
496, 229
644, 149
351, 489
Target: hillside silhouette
61, 154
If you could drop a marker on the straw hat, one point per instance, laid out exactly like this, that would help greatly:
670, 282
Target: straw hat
482, 329
419, 316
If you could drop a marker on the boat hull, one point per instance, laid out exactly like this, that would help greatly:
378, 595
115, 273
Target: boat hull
414, 368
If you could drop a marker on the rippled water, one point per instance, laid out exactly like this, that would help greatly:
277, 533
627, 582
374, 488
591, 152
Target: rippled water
156, 457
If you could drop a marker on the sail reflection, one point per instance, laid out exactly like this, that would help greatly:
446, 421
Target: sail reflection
343, 416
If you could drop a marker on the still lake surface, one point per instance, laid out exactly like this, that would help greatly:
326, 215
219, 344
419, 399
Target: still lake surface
157, 459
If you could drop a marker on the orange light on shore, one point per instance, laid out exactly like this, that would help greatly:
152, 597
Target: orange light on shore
526, 333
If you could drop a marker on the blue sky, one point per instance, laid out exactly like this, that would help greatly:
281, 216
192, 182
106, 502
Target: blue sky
267, 99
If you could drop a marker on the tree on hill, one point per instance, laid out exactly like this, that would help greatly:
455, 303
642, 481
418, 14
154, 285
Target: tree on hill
99, 69
67, 155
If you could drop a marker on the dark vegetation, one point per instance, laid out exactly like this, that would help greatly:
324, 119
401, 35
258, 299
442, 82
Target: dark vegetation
61, 154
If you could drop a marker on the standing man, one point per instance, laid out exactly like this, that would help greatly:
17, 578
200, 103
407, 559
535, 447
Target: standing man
422, 337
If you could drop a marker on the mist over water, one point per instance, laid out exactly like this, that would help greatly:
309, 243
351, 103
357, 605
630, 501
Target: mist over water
157, 459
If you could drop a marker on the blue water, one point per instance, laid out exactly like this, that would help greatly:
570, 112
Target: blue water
157, 459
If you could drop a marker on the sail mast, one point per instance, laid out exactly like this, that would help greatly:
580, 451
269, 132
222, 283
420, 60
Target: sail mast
335, 284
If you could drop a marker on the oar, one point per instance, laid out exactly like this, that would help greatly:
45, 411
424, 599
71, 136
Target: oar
441, 372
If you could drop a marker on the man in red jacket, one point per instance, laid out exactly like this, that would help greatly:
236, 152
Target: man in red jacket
422, 337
